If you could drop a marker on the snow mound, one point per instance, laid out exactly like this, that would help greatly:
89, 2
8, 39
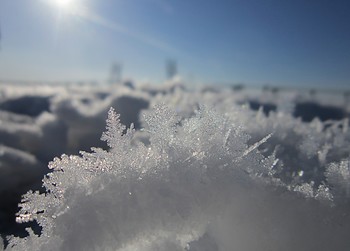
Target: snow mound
198, 185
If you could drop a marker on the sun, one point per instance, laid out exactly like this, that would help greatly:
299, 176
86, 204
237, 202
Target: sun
63, 4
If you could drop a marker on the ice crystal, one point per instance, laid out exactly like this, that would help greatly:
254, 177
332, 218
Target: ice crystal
338, 175
165, 195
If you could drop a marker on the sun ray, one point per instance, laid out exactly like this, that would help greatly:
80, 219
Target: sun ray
76, 9
63, 3
66, 6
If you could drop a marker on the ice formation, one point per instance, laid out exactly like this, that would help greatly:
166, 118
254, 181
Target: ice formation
200, 183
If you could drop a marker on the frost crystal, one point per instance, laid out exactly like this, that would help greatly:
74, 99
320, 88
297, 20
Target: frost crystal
338, 175
199, 178
114, 131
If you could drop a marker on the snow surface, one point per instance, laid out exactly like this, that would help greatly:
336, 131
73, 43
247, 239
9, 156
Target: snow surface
211, 169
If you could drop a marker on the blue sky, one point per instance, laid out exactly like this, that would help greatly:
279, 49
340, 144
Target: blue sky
277, 42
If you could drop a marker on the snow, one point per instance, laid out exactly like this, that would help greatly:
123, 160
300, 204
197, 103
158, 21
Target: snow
211, 169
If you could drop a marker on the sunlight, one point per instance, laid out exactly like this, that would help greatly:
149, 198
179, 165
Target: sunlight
65, 4
73, 8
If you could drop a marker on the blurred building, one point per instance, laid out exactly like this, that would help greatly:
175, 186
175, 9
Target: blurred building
170, 68
115, 73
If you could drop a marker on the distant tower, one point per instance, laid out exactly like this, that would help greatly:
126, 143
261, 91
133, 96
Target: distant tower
116, 73
171, 68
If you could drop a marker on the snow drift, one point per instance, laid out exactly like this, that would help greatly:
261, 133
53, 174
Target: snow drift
217, 177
